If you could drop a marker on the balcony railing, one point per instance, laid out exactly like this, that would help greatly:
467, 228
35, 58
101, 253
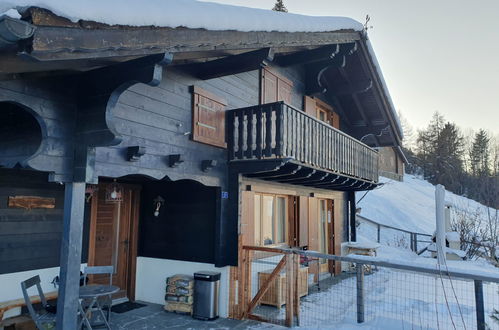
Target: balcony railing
277, 130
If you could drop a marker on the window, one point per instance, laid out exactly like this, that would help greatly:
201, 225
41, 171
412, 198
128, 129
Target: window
208, 118
270, 219
322, 111
324, 220
275, 87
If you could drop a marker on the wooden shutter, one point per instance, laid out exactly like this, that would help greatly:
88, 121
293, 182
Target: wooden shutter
284, 88
313, 226
275, 88
335, 120
303, 221
208, 118
248, 218
309, 105
338, 210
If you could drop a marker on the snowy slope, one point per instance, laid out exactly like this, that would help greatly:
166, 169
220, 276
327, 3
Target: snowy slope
409, 205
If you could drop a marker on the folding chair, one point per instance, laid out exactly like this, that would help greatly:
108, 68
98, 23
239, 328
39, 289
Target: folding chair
41, 317
101, 270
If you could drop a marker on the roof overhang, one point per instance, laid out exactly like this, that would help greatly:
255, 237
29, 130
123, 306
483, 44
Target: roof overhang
59, 46
289, 171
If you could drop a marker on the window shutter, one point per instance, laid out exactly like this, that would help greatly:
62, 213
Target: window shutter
338, 232
269, 87
303, 221
335, 120
284, 91
248, 218
309, 105
208, 118
313, 227
275, 88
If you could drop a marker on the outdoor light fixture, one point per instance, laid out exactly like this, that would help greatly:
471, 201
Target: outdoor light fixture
134, 153
175, 160
158, 203
208, 164
114, 192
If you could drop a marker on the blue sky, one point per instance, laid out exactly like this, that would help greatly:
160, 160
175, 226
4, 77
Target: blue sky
435, 55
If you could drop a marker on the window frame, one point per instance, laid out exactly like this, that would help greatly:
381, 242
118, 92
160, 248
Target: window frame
259, 238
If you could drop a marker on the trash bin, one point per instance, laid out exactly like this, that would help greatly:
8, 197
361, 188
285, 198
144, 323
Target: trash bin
206, 293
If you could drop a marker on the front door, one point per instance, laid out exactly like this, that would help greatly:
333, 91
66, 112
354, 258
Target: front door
112, 238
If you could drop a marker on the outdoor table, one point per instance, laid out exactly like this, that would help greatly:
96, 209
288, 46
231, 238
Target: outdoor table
92, 293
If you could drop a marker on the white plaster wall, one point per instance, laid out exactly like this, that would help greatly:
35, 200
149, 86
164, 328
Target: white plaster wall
152, 274
10, 284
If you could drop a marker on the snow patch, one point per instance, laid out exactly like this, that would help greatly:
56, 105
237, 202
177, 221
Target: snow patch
186, 13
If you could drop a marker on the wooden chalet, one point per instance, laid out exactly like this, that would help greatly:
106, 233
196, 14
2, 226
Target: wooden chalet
164, 150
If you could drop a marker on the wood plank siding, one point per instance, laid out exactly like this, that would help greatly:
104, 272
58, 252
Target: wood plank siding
30, 239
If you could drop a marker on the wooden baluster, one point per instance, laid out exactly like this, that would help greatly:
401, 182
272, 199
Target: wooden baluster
241, 141
249, 132
279, 134
230, 134
268, 131
259, 141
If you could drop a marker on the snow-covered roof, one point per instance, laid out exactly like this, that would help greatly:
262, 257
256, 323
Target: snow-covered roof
186, 13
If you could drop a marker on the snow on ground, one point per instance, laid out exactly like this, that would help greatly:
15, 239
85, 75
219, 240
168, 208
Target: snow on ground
409, 205
396, 299
186, 13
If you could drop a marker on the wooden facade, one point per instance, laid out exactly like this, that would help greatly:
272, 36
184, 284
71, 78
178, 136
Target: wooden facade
190, 134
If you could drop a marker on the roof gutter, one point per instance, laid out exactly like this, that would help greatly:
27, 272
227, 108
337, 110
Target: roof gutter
13, 30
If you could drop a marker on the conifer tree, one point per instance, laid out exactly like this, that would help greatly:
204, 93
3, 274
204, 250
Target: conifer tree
479, 154
279, 6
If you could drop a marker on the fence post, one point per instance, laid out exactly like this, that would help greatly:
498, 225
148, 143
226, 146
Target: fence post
360, 293
480, 311
416, 242
379, 233
289, 290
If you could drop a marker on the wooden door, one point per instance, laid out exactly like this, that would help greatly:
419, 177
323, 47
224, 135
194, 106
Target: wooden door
113, 238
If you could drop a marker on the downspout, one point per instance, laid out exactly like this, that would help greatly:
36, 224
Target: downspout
13, 30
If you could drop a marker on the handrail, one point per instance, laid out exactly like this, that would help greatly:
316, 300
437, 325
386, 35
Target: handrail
391, 227
369, 260
278, 130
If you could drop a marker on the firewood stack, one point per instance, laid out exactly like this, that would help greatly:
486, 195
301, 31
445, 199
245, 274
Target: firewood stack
179, 294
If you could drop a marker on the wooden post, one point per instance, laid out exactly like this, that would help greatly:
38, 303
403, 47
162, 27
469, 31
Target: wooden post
296, 273
360, 293
289, 290
440, 218
379, 233
480, 311
412, 241
70, 258
416, 242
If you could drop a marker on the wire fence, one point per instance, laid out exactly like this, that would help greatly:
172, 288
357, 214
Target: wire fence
298, 288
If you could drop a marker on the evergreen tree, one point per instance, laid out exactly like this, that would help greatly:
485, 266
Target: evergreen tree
279, 6
479, 154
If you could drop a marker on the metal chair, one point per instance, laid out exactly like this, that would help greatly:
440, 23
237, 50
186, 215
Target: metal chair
41, 317
101, 270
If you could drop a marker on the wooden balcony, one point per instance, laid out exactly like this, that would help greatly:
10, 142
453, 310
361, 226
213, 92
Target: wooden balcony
279, 131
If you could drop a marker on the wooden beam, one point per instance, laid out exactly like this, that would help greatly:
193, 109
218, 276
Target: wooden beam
314, 81
51, 43
232, 64
70, 257
265, 286
309, 56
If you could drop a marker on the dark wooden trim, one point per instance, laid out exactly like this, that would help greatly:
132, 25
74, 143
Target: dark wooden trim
232, 64
31, 202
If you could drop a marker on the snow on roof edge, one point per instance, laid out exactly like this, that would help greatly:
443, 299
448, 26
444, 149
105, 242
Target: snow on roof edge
186, 13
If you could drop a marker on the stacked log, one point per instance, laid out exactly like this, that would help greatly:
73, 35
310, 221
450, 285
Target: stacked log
179, 294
